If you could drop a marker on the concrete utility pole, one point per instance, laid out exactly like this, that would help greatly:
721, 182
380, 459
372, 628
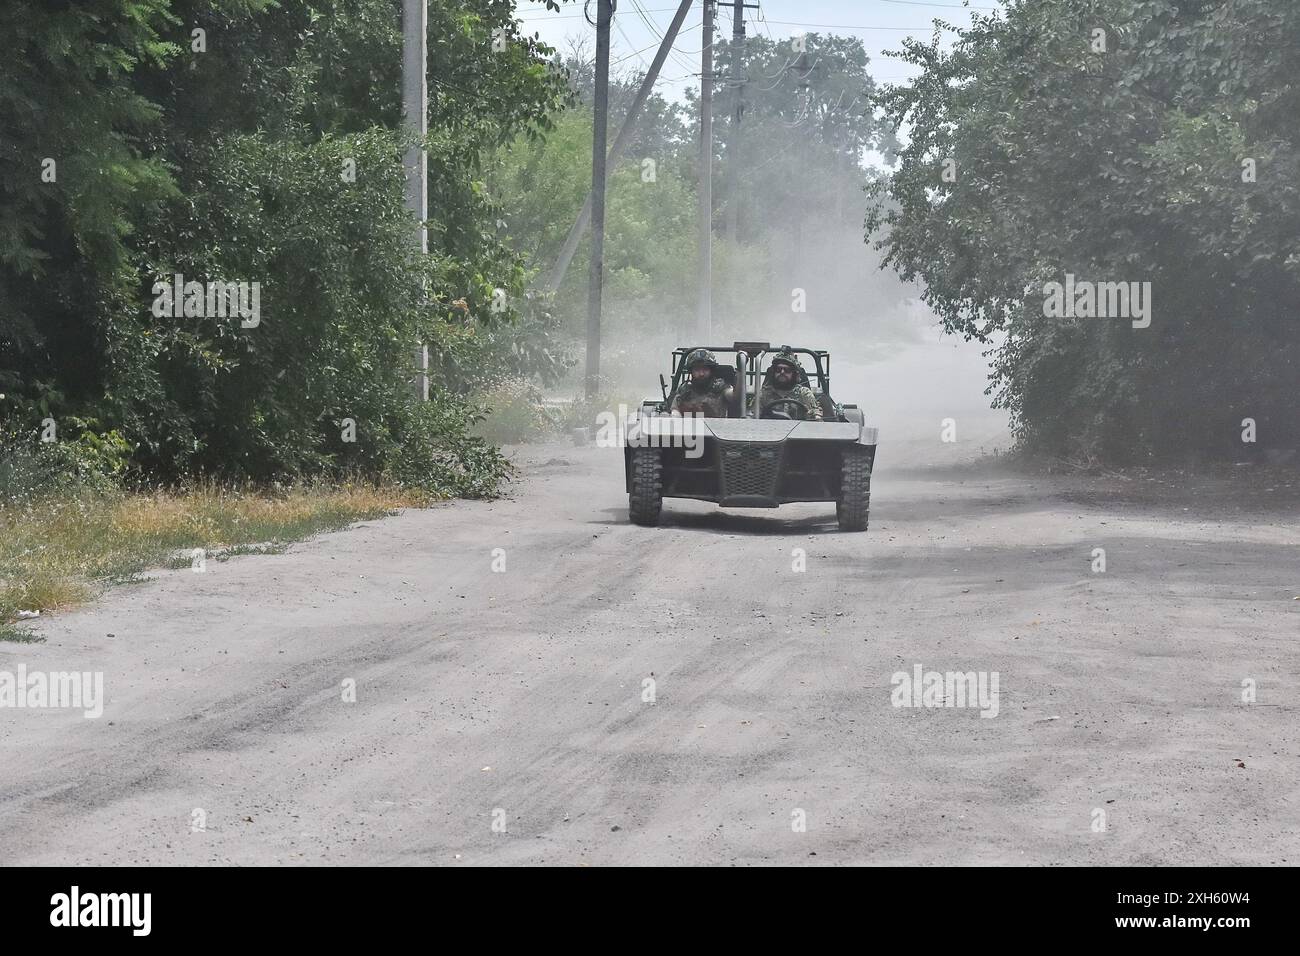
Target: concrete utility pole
734, 161
620, 144
706, 177
415, 110
596, 276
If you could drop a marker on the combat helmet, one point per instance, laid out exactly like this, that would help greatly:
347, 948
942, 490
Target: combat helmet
700, 356
786, 356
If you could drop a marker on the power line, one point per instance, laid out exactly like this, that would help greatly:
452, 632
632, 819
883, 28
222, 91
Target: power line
626, 39
651, 46
653, 27
576, 16
850, 26
950, 6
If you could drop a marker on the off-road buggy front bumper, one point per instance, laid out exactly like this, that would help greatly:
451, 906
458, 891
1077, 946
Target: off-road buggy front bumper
748, 462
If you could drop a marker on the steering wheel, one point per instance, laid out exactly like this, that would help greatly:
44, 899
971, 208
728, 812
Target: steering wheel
774, 410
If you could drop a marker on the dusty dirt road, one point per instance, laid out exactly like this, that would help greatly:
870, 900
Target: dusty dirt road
515, 697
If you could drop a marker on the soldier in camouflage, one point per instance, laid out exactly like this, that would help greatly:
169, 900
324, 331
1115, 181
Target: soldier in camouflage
783, 383
701, 391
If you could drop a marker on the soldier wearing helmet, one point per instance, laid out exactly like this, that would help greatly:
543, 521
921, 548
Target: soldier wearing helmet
783, 384
702, 392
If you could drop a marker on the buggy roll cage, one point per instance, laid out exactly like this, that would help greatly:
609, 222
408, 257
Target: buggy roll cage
748, 369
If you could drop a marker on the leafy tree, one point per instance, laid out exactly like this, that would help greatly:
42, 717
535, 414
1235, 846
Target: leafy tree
807, 123
229, 160
1123, 164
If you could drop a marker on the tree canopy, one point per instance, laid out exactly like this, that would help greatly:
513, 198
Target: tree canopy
255, 141
1116, 141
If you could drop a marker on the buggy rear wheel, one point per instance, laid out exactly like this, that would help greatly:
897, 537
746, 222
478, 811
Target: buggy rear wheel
646, 498
854, 503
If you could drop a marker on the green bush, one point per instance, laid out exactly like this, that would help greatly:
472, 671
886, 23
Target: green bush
1132, 166
30, 468
436, 452
516, 413
276, 158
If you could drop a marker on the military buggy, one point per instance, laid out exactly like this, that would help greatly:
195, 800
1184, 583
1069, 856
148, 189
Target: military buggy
754, 457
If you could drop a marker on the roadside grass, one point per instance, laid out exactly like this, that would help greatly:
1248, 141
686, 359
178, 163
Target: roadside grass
59, 550
16, 635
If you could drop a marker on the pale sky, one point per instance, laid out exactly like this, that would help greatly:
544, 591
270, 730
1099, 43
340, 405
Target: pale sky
639, 25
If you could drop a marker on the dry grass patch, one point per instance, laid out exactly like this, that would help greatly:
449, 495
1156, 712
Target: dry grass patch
57, 551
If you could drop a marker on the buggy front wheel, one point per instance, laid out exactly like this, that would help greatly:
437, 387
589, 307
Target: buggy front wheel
854, 503
646, 499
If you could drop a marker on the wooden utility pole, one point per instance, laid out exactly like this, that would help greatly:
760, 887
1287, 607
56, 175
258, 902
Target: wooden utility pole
624, 136
734, 161
595, 278
415, 111
706, 177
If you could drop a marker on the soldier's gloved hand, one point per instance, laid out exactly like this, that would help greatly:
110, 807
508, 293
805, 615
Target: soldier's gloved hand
717, 386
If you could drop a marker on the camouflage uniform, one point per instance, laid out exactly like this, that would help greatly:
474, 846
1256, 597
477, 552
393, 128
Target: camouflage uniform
798, 392
708, 401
